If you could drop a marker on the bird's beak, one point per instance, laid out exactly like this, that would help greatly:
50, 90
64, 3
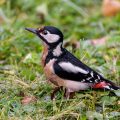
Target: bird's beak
33, 30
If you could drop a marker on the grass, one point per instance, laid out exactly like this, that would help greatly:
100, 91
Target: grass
20, 54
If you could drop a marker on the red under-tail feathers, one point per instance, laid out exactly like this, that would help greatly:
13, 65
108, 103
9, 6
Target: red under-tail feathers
106, 84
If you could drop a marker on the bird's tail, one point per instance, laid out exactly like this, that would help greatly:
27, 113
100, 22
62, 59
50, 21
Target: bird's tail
112, 85
106, 84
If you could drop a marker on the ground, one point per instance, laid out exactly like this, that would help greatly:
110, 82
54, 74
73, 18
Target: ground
21, 74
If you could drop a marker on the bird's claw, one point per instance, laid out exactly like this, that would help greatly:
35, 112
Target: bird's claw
55, 90
67, 95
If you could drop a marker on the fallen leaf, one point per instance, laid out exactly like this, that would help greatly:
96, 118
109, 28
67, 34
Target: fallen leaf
99, 41
110, 7
28, 99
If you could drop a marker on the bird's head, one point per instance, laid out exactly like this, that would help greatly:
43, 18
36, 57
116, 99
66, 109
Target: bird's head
50, 35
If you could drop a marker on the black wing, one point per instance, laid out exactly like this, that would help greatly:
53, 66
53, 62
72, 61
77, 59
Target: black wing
70, 68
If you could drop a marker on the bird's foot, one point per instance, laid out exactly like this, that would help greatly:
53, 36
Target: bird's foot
68, 94
55, 90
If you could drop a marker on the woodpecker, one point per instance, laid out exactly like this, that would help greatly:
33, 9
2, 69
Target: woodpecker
63, 69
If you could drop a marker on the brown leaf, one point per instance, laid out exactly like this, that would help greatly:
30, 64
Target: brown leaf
28, 99
99, 41
110, 7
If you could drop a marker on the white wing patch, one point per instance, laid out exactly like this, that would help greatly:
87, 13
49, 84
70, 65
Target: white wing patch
72, 68
92, 73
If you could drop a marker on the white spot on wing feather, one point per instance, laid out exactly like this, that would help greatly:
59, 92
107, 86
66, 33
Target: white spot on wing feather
91, 73
98, 76
83, 80
96, 80
69, 67
89, 78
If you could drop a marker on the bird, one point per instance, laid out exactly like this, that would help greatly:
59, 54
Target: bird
65, 70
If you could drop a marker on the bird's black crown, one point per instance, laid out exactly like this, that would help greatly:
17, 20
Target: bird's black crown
54, 30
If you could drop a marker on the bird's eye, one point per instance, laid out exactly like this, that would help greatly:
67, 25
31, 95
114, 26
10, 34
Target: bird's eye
45, 32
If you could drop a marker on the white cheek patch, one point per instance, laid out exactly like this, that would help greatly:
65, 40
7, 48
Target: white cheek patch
72, 68
50, 38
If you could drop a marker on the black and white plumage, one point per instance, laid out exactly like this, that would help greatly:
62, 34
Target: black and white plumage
68, 67
68, 71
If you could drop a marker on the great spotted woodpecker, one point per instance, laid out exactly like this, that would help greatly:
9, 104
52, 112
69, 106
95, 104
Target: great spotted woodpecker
63, 69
